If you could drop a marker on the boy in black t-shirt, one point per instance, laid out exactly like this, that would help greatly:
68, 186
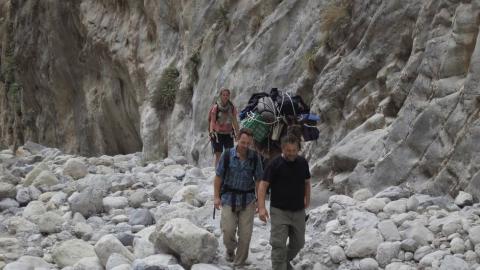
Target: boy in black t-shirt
288, 176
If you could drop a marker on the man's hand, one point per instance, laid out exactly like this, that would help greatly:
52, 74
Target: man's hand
263, 214
217, 203
306, 202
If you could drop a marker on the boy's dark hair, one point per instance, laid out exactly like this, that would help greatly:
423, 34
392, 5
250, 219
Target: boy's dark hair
290, 139
245, 131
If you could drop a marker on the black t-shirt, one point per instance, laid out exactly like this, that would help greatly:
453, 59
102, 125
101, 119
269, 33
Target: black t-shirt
287, 182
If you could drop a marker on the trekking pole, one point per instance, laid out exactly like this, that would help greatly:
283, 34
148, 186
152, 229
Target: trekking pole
214, 212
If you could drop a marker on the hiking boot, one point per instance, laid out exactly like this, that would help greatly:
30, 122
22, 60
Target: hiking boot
230, 256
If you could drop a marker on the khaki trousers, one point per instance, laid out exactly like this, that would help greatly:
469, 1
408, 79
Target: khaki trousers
286, 224
239, 222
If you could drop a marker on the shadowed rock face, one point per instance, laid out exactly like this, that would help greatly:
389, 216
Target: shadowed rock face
395, 82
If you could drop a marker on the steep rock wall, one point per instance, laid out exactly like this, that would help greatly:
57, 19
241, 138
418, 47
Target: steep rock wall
395, 82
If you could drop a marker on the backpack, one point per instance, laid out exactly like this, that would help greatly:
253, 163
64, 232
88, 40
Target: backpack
218, 111
225, 188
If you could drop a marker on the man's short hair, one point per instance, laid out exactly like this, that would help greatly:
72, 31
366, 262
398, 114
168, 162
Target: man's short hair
245, 131
290, 139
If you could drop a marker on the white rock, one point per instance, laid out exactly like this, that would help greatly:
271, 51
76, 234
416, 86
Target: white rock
75, 168
341, 200
153, 261
336, 254
463, 199
188, 195
110, 203
50, 222
364, 243
396, 207
457, 246
70, 252
374, 205
108, 245
190, 243
358, 220
368, 264
33, 210
362, 194
45, 180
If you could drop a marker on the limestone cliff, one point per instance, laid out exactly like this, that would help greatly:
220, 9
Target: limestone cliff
395, 82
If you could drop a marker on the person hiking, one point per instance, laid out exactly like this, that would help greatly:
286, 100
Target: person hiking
288, 176
237, 176
223, 124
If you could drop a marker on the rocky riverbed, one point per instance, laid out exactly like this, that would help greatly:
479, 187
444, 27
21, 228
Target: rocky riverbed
59, 211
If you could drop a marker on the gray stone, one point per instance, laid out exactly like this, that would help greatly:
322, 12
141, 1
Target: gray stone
374, 205
419, 233
110, 203
140, 217
8, 204
396, 207
409, 245
27, 263
358, 220
422, 252
138, 197
474, 235
45, 180
386, 252
412, 203
393, 193
7, 190
88, 202
150, 262
430, 258
116, 260
457, 246
23, 195
368, 264
10, 248
75, 168
50, 222
88, 263
453, 263
204, 266
389, 230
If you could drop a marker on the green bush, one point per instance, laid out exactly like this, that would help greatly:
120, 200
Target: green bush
164, 96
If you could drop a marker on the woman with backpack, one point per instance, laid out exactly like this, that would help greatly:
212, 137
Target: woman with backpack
223, 124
